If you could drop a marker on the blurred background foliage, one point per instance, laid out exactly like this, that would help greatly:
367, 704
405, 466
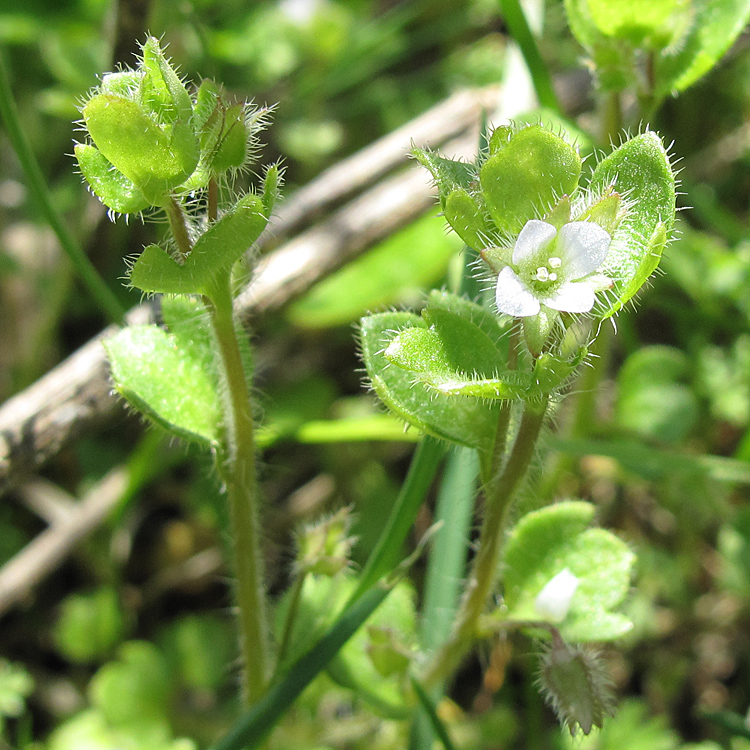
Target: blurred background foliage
129, 644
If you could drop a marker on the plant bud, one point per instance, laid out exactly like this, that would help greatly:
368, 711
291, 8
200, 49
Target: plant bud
324, 548
574, 682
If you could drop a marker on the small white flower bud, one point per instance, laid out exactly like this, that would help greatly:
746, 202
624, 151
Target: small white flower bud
553, 601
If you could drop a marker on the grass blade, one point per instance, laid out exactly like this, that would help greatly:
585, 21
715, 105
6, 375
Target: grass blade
386, 554
255, 724
429, 708
519, 28
446, 567
102, 294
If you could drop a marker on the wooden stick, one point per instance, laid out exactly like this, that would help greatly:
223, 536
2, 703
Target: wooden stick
75, 397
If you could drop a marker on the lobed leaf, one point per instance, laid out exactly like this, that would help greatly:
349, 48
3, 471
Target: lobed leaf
468, 422
162, 91
215, 251
465, 215
448, 174
496, 327
455, 357
546, 542
136, 145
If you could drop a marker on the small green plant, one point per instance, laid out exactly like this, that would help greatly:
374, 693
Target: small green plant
561, 258
560, 254
154, 146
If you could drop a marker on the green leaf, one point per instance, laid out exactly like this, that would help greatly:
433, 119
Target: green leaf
631, 728
527, 176
253, 727
271, 188
651, 400
550, 371
640, 171
353, 667
466, 216
495, 327
90, 730
386, 554
137, 146
162, 91
231, 149
134, 689
652, 23
124, 83
449, 175
464, 421
456, 357
206, 99
715, 27
16, 685
321, 601
417, 349
198, 647
89, 626
216, 251
111, 187
163, 376
466, 346
546, 542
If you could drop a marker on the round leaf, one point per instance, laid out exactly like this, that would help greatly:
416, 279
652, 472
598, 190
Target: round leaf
546, 542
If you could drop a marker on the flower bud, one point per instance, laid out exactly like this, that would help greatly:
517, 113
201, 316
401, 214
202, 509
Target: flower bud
553, 601
574, 682
324, 548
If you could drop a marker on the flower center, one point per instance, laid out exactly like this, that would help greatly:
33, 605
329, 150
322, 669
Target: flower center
544, 273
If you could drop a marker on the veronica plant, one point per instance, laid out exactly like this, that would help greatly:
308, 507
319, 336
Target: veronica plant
153, 146
559, 258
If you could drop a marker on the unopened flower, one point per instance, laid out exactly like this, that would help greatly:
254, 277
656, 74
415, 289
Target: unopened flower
553, 601
554, 269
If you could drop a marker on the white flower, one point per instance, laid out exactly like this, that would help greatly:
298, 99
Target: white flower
553, 601
553, 268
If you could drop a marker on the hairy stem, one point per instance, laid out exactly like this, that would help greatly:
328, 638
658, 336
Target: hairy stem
238, 471
213, 200
178, 225
499, 492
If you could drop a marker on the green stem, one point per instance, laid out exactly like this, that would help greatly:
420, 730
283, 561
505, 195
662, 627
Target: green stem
101, 293
178, 225
499, 493
611, 118
213, 200
238, 471
582, 412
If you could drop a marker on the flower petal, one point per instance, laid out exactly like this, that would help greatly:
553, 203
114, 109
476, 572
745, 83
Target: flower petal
573, 297
534, 236
583, 247
554, 600
512, 297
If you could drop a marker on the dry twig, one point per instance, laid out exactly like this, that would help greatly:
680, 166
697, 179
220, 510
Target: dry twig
75, 397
